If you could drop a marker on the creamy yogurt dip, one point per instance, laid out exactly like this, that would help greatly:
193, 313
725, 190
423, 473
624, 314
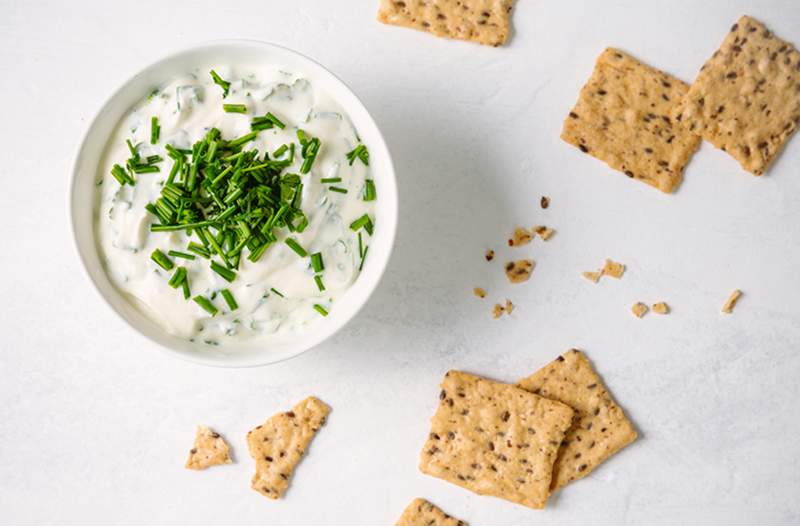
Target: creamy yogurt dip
279, 295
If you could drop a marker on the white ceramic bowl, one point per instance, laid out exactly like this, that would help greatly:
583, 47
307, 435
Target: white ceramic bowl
84, 203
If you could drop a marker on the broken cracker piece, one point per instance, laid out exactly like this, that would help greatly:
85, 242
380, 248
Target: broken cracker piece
623, 117
639, 309
279, 443
423, 513
599, 428
497, 310
519, 271
544, 202
592, 276
509, 307
613, 269
731, 303
209, 449
746, 98
489, 255
661, 308
544, 232
479, 292
522, 236
495, 439
482, 21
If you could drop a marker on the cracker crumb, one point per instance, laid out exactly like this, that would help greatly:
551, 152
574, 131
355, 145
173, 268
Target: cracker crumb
661, 308
544, 232
521, 236
209, 449
479, 292
544, 202
519, 271
731, 303
509, 306
592, 276
613, 269
489, 255
497, 310
639, 309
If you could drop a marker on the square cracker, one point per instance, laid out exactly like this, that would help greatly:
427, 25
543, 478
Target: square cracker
279, 443
623, 117
600, 427
495, 439
422, 513
482, 21
209, 449
746, 99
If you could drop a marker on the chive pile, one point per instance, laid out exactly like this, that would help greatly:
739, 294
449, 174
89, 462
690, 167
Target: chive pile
234, 202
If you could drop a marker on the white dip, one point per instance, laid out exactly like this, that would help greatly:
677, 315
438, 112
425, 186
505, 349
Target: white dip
186, 108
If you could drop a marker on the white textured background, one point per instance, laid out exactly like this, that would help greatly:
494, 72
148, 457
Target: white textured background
95, 422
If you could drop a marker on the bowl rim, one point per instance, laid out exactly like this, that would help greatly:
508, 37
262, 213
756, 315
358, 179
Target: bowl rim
390, 230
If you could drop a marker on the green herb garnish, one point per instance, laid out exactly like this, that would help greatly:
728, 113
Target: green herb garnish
276, 291
229, 299
362, 222
206, 305
369, 190
319, 308
161, 260
155, 130
318, 281
178, 277
316, 262
337, 189
224, 84
226, 273
184, 255
294, 245
359, 152
234, 108
327, 180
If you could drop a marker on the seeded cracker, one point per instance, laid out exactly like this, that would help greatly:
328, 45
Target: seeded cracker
482, 21
661, 308
599, 428
519, 271
746, 99
495, 439
522, 236
422, 513
639, 309
623, 117
209, 449
279, 443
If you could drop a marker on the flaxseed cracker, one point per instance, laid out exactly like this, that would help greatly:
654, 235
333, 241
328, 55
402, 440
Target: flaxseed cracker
482, 21
746, 98
599, 428
495, 439
209, 449
279, 443
422, 513
624, 118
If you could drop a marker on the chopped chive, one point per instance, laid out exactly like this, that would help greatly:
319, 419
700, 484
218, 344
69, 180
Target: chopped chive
318, 281
161, 260
337, 189
363, 221
152, 159
369, 190
144, 168
186, 291
234, 108
226, 273
316, 262
330, 180
275, 120
178, 277
280, 151
242, 140
206, 305
184, 226
199, 250
155, 130
360, 246
184, 255
359, 152
276, 291
363, 258
122, 176
133, 150
229, 299
225, 85
319, 308
294, 245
